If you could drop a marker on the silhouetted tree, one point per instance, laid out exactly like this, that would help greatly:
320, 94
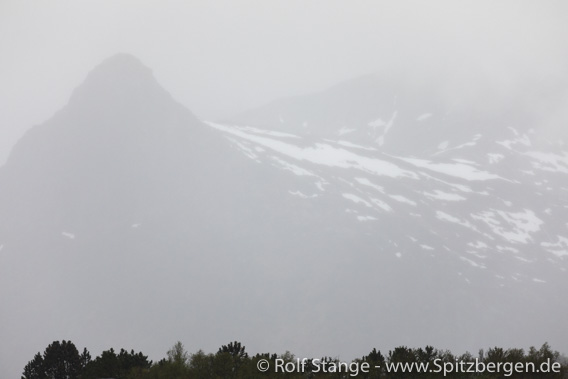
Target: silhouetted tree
235, 349
118, 366
236, 352
34, 368
376, 361
200, 365
85, 358
60, 360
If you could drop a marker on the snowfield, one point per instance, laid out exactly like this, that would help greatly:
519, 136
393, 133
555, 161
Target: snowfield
454, 197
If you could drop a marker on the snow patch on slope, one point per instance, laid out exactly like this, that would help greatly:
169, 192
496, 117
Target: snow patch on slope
558, 248
447, 217
302, 195
549, 161
71, 236
446, 196
323, 154
423, 117
356, 199
515, 227
291, 167
458, 170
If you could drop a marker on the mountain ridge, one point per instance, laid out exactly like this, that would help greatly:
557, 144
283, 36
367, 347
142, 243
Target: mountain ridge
124, 213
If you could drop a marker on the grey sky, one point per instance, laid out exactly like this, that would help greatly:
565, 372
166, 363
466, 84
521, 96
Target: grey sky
219, 58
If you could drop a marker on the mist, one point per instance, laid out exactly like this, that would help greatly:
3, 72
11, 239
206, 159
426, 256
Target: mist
220, 59
323, 177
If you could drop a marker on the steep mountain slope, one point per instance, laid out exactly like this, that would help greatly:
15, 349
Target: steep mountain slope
468, 184
414, 113
125, 221
124, 210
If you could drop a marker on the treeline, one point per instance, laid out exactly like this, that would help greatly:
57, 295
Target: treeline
62, 360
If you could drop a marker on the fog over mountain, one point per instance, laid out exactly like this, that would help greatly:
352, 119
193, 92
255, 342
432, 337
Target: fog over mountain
377, 213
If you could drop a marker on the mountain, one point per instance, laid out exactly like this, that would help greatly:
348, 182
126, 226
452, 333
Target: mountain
325, 224
120, 212
414, 113
463, 182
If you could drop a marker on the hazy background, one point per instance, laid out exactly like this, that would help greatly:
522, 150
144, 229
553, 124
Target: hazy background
219, 58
